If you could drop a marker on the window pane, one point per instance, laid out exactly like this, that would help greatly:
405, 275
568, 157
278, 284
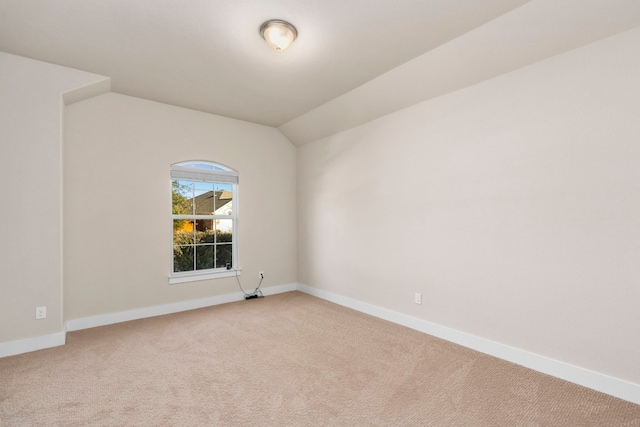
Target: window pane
204, 231
204, 198
182, 258
224, 255
224, 199
204, 257
183, 232
224, 230
182, 195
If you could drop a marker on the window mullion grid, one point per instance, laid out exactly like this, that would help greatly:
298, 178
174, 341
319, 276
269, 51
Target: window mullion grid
214, 218
194, 217
193, 212
215, 243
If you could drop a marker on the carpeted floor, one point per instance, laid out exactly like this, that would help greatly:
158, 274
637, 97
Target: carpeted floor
285, 360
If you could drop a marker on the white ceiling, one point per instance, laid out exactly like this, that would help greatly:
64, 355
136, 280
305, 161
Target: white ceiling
354, 60
208, 55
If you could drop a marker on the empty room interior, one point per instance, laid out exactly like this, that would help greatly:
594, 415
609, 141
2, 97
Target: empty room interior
312, 223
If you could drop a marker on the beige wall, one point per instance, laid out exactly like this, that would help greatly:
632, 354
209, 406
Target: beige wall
31, 174
513, 206
117, 240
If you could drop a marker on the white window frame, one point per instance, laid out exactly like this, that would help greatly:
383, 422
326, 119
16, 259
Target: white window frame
221, 174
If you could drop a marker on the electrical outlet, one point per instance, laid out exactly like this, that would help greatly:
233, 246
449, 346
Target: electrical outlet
261, 275
418, 298
41, 313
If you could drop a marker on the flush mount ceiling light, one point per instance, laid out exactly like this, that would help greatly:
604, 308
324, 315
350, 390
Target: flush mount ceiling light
278, 34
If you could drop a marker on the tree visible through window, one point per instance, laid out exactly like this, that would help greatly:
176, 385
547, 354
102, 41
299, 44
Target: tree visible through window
204, 217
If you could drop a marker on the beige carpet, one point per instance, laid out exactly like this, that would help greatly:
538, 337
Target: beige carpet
286, 360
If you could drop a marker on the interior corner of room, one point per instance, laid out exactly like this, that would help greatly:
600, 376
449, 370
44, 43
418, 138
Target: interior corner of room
501, 212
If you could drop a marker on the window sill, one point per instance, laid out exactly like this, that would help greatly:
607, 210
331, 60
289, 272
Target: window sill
203, 276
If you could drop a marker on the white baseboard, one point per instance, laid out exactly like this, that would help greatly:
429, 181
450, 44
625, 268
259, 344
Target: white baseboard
615, 387
594, 380
26, 345
141, 313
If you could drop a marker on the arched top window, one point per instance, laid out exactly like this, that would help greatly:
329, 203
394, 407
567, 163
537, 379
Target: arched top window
199, 164
204, 171
205, 220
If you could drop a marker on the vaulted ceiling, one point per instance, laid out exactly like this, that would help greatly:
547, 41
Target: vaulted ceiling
208, 55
